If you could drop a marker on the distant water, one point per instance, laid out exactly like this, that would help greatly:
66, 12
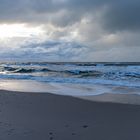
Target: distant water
111, 74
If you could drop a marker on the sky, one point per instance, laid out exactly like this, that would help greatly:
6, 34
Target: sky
70, 30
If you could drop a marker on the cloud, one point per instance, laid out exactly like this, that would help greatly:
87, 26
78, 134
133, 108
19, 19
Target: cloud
81, 30
114, 15
48, 51
119, 15
72, 51
122, 15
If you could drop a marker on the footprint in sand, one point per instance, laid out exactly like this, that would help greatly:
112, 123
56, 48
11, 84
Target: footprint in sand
85, 126
51, 138
73, 134
51, 135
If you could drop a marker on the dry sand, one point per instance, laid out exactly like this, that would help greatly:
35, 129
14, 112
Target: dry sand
38, 116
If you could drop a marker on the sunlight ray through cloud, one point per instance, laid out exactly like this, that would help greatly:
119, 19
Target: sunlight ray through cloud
18, 30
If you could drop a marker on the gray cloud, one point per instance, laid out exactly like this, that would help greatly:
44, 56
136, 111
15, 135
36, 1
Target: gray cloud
49, 51
72, 51
119, 15
107, 30
122, 15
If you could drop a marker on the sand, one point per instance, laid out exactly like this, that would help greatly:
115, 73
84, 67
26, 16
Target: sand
133, 99
44, 116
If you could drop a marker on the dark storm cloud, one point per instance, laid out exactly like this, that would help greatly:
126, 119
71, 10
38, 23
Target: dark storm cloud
119, 15
23, 10
122, 15
57, 12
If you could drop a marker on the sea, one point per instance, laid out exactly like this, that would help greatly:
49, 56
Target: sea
71, 78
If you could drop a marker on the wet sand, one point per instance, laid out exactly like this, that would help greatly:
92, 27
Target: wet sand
132, 99
38, 116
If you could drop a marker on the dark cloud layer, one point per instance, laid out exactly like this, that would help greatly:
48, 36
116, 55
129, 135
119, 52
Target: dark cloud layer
122, 15
119, 15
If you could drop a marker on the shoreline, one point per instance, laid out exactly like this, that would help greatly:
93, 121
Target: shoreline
27, 116
130, 99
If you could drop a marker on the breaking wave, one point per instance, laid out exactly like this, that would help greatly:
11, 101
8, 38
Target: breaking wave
127, 74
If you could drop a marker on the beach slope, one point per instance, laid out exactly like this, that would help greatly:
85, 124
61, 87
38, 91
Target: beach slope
40, 116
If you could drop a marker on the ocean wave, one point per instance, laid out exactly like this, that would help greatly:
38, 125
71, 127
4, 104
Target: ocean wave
103, 71
115, 74
23, 70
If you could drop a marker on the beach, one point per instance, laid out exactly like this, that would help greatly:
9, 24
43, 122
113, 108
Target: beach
69, 70
45, 116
